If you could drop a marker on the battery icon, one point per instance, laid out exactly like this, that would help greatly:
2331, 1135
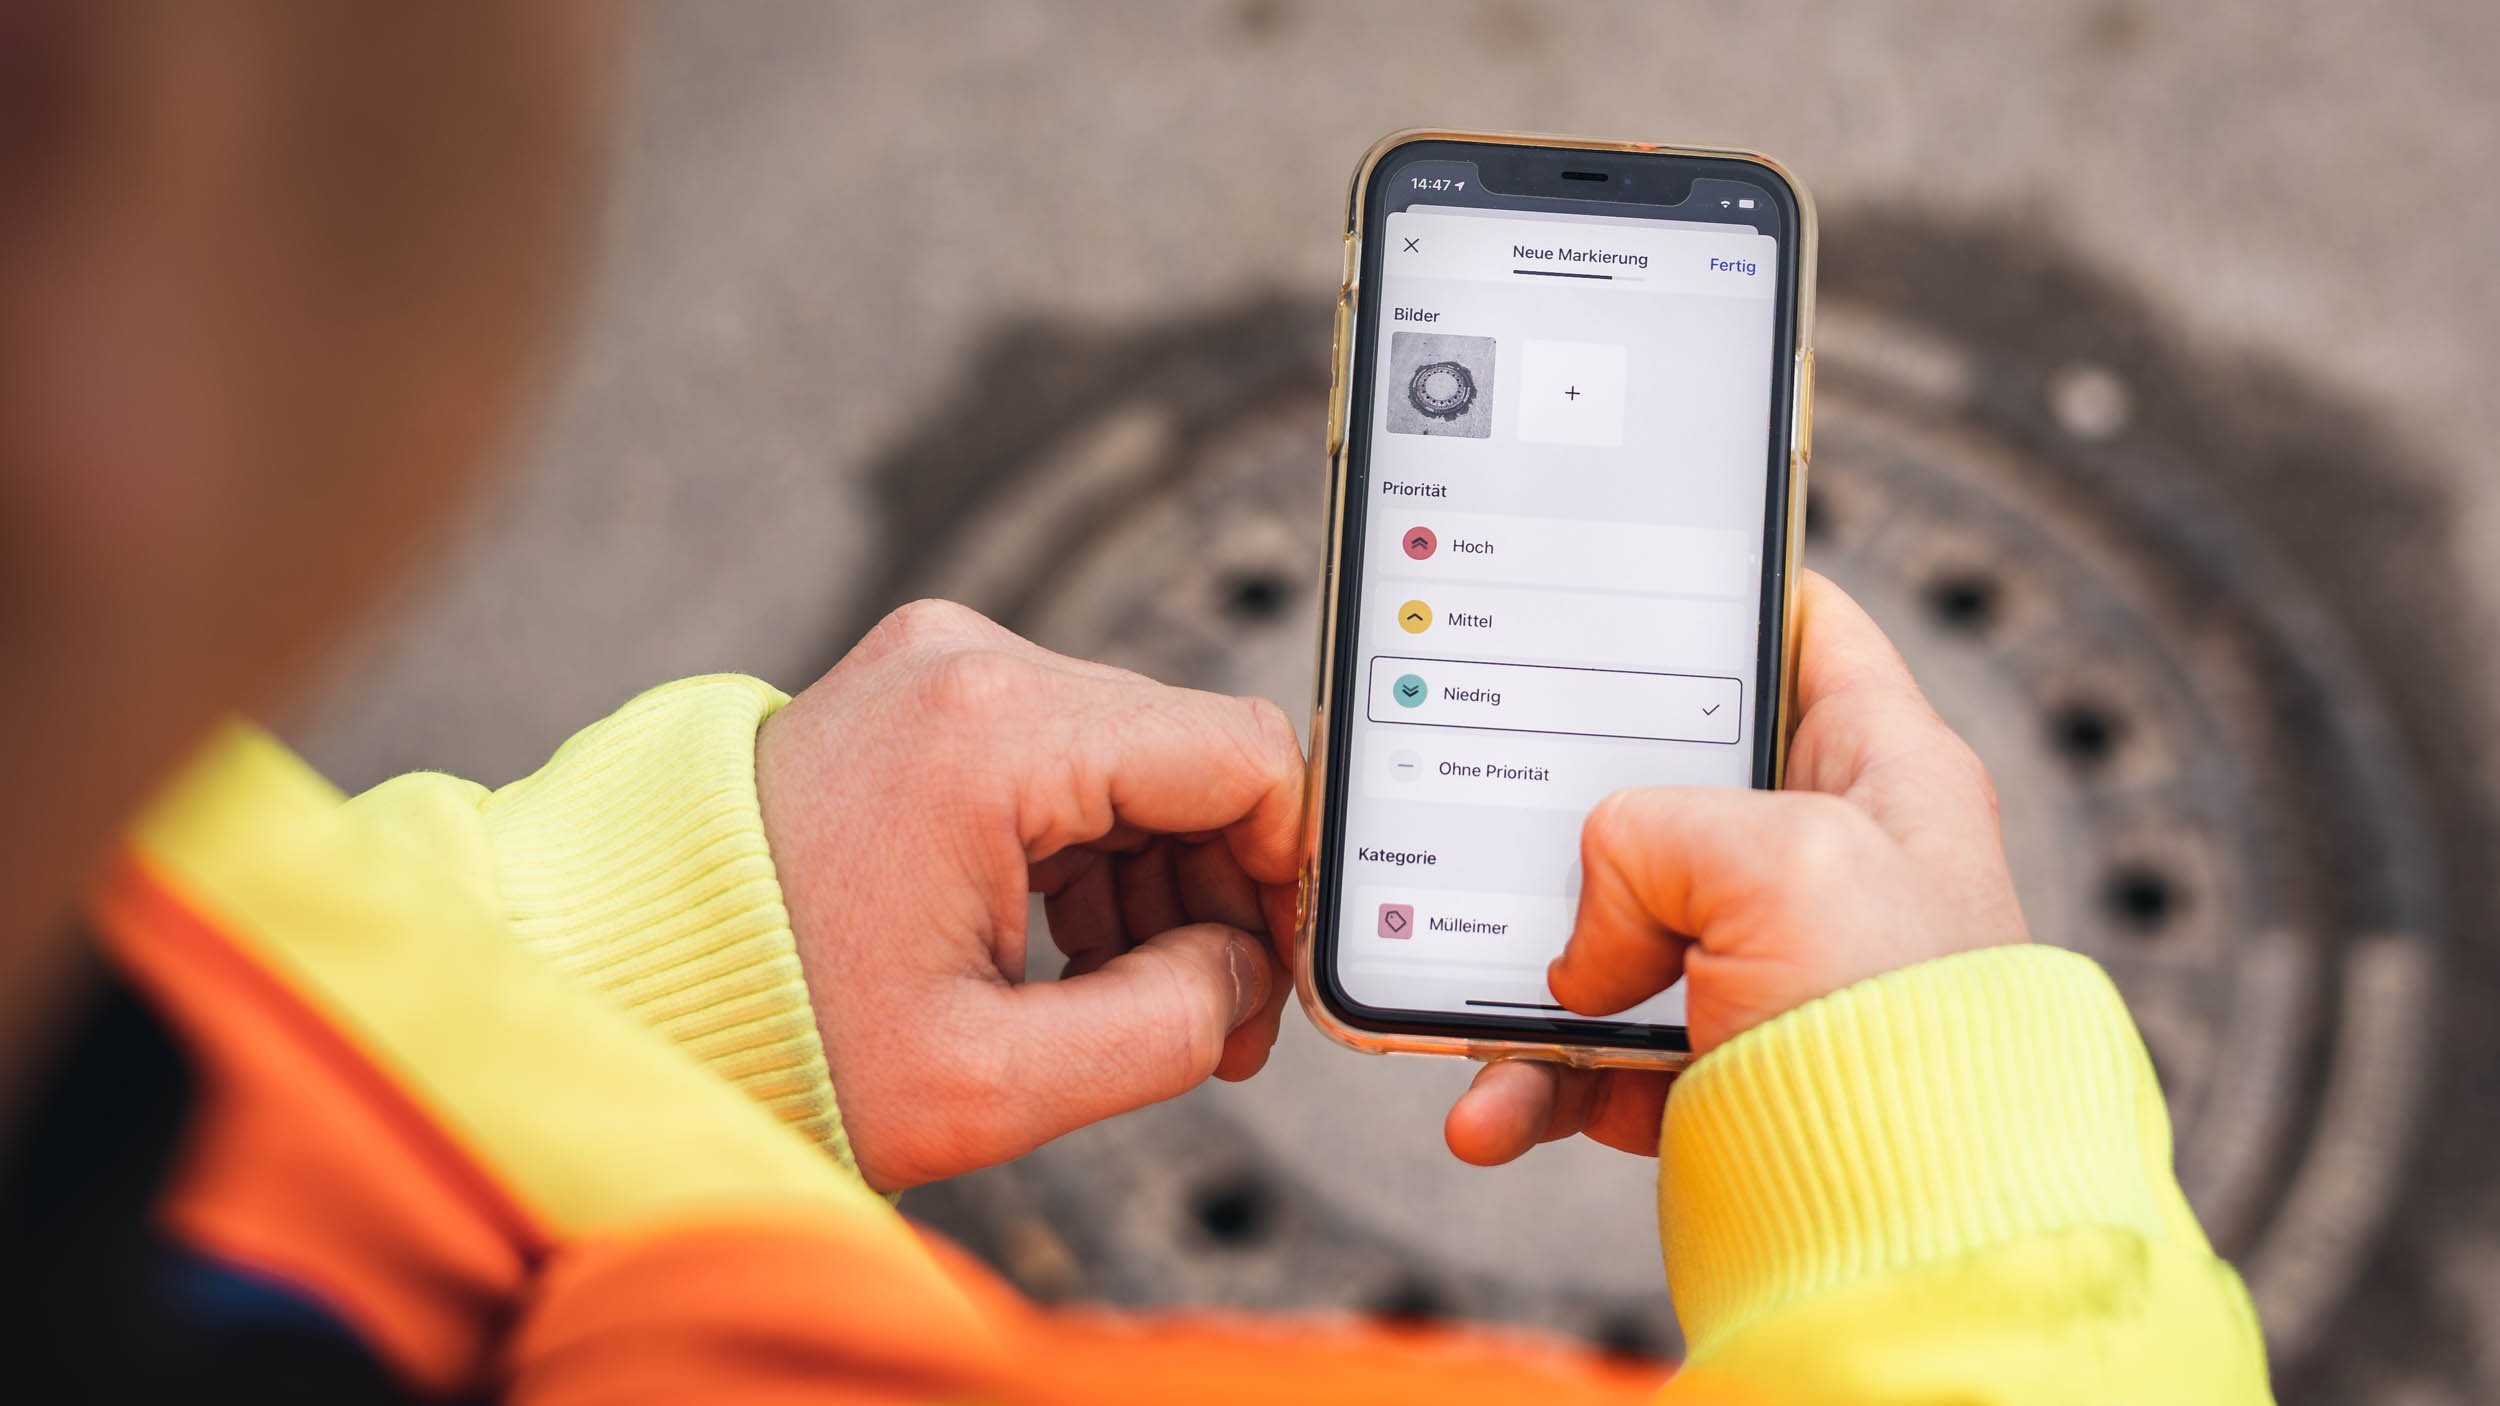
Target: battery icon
1744, 204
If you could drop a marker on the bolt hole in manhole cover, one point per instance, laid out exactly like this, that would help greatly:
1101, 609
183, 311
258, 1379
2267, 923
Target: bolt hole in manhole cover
2181, 607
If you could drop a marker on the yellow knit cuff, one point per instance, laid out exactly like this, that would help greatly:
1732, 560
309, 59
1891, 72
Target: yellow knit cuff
1958, 1104
635, 861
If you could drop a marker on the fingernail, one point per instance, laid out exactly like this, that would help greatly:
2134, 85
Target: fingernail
1248, 962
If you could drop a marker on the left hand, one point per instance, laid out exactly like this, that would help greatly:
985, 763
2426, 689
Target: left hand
942, 772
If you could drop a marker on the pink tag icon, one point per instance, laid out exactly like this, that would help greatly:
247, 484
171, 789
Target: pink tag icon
1397, 920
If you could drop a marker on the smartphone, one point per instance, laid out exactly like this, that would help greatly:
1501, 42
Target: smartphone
1568, 434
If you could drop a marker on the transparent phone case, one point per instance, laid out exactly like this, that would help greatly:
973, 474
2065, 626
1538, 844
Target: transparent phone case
1800, 445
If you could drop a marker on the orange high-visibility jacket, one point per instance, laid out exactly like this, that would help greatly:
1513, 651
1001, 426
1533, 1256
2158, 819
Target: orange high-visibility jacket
521, 1088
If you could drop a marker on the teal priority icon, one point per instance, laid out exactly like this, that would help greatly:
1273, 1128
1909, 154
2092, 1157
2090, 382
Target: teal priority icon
1409, 690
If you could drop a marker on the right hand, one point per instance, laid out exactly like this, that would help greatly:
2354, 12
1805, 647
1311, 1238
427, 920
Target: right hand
1884, 851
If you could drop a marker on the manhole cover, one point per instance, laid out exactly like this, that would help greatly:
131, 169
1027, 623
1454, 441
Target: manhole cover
2203, 788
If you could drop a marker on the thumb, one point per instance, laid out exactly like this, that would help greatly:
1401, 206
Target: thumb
1143, 1027
1771, 898
1626, 943
1665, 868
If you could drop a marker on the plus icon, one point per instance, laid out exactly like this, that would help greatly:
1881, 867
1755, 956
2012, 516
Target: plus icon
1573, 393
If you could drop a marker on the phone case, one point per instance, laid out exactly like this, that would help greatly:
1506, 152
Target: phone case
1340, 392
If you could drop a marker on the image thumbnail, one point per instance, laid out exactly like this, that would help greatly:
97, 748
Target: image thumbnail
1440, 384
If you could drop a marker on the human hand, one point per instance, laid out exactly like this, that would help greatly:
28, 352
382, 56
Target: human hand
1882, 852
943, 771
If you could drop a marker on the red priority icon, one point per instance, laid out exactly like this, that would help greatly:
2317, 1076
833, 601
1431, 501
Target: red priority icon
1420, 542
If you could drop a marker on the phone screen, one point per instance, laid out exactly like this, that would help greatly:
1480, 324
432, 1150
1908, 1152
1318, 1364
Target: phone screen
1565, 508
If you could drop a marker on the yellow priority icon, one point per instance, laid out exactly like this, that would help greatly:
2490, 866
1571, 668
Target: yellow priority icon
1415, 617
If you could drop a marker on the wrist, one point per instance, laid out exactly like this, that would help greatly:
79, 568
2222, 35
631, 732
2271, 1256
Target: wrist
1971, 1100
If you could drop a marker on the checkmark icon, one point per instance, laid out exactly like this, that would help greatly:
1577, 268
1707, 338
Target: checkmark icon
1706, 712
1409, 690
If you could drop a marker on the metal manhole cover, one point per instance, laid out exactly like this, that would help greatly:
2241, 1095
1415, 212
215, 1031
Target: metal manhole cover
2203, 788
1442, 390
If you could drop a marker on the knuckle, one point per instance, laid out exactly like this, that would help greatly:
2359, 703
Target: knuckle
1278, 744
1958, 766
1605, 827
1200, 1053
1613, 814
1982, 784
1826, 834
927, 623
975, 685
1196, 1006
1617, 825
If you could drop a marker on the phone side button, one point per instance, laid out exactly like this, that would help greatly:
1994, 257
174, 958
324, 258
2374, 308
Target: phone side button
1804, 439
1337, 377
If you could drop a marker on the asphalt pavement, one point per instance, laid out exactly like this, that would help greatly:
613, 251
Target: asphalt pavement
825, 215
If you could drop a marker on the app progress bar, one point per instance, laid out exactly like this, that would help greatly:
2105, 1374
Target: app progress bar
1558, 273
